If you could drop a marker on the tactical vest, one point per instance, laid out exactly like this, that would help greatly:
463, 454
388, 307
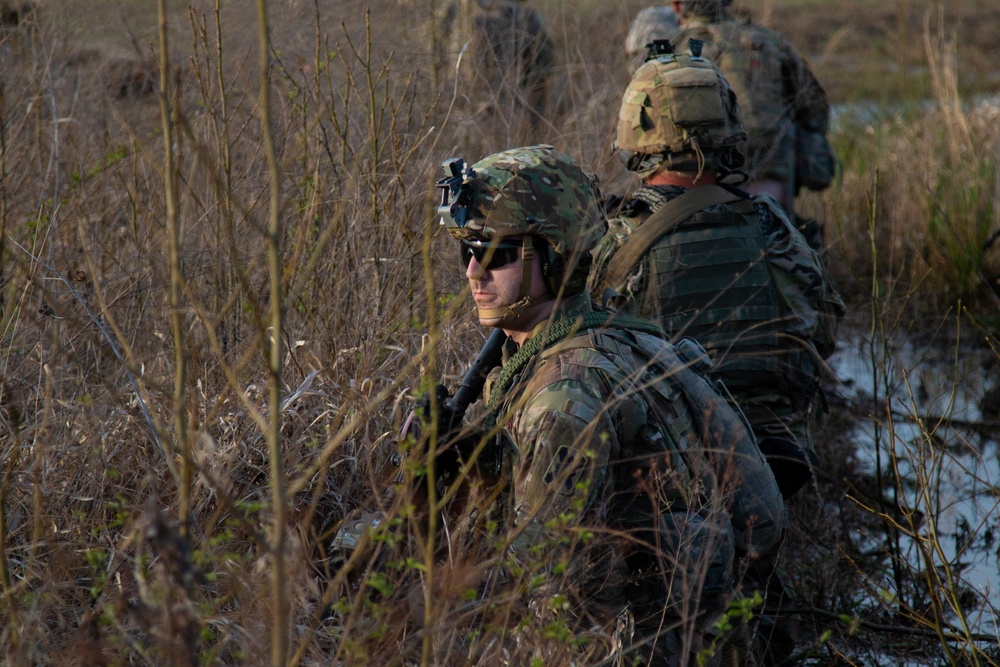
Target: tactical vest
751, 60
685, 402
709, 279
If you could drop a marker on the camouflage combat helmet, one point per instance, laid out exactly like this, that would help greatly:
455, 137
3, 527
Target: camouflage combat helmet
534, 191
680, 113
658, 22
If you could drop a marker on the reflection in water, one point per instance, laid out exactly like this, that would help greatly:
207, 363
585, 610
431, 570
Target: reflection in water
920, 412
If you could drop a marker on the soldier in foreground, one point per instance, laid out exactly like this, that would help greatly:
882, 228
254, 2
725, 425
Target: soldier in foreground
708, 260
629, 481
785, 109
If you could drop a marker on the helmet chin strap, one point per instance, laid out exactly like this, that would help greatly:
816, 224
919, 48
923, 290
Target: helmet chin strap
510, 313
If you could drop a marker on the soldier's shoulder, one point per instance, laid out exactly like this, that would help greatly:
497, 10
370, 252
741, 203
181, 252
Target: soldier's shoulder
763, 33
746, 32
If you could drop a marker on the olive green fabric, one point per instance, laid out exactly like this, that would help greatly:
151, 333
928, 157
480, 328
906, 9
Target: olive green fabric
612, 434
746, 284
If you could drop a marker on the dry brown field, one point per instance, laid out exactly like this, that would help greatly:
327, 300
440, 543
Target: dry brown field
215, 314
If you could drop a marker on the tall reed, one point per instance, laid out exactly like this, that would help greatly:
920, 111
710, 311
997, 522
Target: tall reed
223, 285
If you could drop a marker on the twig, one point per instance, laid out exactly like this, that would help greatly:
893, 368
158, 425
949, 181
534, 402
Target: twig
887, 628
114, 348
987, 428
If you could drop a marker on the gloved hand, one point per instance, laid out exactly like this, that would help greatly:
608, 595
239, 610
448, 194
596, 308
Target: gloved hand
448, 421
427, 412
454, 444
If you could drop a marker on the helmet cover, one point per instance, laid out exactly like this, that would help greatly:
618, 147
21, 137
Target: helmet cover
680, 109
530, 191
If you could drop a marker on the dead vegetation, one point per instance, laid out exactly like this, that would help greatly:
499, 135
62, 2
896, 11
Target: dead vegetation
97, 566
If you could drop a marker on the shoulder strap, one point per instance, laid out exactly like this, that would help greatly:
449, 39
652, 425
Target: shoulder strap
564, 328
664, 220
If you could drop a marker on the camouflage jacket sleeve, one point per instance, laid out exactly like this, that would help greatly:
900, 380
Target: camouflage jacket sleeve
804, 93
795, 267
565, 439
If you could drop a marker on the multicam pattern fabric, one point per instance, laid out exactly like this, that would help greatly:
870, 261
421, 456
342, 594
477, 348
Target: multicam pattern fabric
768, 388
682, 107
777, 91
651, 23
612, 453
535, 191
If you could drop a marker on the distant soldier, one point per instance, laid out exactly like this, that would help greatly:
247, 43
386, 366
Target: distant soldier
650, 24
503, 52
708, 260
786, 113
628, 478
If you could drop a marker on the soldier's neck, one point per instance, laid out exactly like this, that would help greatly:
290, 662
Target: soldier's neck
685, 179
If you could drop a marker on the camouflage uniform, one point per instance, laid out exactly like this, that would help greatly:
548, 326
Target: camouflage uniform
725, 268
504, 51
738, 277
780, 96
630, 480
769, 363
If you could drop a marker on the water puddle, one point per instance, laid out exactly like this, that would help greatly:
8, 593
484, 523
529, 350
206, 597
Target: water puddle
918, 417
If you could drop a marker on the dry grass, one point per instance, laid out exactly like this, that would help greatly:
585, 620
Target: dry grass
96, 566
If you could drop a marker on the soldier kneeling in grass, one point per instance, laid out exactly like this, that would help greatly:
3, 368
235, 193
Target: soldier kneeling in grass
628, 483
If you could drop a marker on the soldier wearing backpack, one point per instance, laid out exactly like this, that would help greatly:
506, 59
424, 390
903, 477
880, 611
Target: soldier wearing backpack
708, 260
786, 113
629, 480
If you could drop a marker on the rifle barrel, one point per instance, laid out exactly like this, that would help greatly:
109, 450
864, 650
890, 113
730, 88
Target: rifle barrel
472, 383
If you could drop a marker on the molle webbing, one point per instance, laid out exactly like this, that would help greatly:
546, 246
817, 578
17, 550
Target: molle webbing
556, 332
713, 284
662, 221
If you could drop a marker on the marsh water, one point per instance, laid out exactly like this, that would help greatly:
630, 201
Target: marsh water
920, 420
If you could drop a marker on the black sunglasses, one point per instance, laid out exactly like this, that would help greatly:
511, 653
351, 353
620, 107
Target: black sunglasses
490, 254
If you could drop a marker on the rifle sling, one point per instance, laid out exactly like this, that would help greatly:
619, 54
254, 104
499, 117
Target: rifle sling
663, 221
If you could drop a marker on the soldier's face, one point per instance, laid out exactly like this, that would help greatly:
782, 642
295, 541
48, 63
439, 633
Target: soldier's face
495, 279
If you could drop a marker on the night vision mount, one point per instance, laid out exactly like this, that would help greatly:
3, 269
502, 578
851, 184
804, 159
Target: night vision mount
657, 48
662, 47
458, 193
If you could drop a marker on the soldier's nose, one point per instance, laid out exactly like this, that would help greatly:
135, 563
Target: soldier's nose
474, 270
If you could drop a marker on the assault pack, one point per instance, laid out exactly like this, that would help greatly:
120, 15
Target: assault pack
751, 60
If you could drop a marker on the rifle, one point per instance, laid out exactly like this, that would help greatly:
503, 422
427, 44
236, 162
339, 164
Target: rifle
451, 412
474, 379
